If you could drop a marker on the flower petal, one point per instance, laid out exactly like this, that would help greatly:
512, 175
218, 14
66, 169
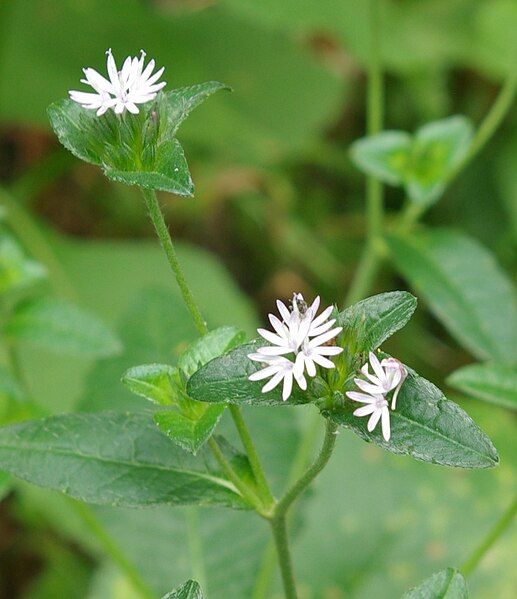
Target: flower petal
386, 429
374, 419
365, 410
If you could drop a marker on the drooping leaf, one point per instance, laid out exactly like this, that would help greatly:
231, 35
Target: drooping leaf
371, 321
386, 156
152, 381
445, 584
225, 379
190, 433
112, 458
208, 347
427, 426
492, 382
464, 288
188, 590
134, 149
16, 270
62, 327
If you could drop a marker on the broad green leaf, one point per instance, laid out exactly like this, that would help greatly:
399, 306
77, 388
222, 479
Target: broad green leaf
225, 379
370, 322
15, 406
386, 156
438, 148
16, 270
208, 347
492, 382
464, 287
112, 458
152, 381
190, 432
62, 327
5, 484
188, 590
445, 584
133, 149
426, 426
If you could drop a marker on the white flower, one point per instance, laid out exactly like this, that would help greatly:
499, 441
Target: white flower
125, 89
300, 334
377, 407
389, 375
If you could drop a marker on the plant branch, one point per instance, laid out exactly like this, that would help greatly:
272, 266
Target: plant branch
311, 473
500, 526
279, 530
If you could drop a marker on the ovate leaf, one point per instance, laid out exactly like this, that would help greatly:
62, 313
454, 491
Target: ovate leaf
370, 322
208, 347
190, 432
152, 381
386, 156
16, 270
62, 327
492, 382
426, 426
188, 590
464, 287
225, 379
113, 458
445, 584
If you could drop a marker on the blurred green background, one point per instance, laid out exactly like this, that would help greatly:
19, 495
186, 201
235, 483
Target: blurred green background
279, 207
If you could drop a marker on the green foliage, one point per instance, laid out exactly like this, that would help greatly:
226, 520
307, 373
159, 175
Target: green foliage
188, 590
422, 163
113, 458
5, 484
152, 381
445, 584
368, 323
134, 149
60, 326
464, 288
426, 426
492, 382
16, 270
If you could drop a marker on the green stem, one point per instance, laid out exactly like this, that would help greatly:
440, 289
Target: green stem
311, 473
500, 526
279, 530
369, 261
112, 549
195, 546
256, 466
239, 484
164, 236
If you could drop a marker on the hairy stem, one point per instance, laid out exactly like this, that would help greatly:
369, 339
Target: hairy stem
279, 530
500, 526
369, 261
155, 213
311, 473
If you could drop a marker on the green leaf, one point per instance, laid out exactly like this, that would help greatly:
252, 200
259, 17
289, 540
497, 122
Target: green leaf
152, 381
188, 590
438, 148
133, 149
371, 321
5, 484
112, 458
426, 426
386, 156
60, 326
445, 584
225, 379
208, 347
491, 382
190, 432
464, 288
16, 270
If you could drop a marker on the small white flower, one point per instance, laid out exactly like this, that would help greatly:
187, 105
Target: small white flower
376, 407
300, 334
387, 375
125, 89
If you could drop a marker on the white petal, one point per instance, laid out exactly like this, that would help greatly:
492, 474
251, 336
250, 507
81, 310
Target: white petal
264, 373
271, 337
97, 81
322, 328
284, 312
273, 382
311, 367
276, 323
132, 107
326, 350
323, 361
369, 388
155, 77
325, 337
374, 419
112, 71
288, 385
386, 431
362, 397
376, 365
275, 351
365, 410
323, 316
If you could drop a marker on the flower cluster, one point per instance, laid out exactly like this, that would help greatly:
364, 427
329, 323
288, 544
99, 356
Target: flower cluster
388, 375
125, 89
299, 343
